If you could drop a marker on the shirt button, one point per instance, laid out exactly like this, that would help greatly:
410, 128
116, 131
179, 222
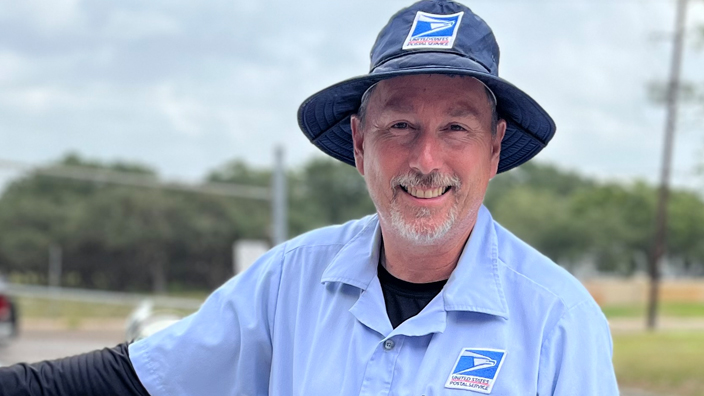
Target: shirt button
389, 345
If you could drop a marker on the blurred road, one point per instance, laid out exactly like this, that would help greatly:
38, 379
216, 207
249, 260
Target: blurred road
42, 341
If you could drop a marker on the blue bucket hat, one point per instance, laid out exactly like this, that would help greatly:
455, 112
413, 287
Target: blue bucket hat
430, 37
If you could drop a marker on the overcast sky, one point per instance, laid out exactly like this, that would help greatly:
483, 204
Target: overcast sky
185, 86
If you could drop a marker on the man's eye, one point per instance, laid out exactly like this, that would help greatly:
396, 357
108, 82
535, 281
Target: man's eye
400, 125
455, 127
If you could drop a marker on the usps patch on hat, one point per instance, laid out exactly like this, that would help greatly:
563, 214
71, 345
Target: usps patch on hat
476, 369
433, 31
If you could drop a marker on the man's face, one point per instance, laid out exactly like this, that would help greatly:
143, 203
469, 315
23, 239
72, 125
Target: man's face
426, 151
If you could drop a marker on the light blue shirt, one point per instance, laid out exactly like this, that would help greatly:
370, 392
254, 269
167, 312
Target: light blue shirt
308, 318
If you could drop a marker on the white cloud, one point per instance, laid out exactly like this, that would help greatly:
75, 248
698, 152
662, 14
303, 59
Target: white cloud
135, 25
11, 66
185, 115
45, 15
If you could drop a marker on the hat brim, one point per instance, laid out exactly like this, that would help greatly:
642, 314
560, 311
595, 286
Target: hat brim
325, 116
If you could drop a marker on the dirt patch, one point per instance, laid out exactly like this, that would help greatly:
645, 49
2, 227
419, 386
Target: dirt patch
626, 325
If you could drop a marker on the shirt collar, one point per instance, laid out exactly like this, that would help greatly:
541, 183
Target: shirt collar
355, 264
473, 286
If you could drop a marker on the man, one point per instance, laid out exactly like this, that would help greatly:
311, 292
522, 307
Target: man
428, 297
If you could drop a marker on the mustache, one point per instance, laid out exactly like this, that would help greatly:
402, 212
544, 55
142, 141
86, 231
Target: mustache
431, 180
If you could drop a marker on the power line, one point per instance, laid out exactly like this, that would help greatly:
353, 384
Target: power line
138, 180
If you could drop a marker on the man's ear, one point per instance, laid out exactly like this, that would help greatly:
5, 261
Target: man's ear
496, 146
357, 143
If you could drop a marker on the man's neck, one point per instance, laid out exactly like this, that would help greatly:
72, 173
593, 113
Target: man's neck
421, 263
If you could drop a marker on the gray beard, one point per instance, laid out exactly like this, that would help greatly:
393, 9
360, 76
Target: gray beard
415, 231
418, 233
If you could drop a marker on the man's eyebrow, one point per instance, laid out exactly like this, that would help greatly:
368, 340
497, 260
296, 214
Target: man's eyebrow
399, 105
463, 109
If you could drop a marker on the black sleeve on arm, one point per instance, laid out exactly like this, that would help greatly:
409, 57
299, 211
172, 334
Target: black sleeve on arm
105, 372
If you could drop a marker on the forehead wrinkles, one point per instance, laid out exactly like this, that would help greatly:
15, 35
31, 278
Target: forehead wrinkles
465, 109
386, 99
413, 101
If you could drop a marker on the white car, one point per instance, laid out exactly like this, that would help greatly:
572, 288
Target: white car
145, 321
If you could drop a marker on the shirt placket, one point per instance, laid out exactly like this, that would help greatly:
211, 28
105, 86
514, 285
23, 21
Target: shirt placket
381, 367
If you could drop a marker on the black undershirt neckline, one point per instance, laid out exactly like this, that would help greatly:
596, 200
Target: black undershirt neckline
404, 299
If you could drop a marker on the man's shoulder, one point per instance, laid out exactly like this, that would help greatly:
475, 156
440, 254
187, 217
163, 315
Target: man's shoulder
331, 236
528, 266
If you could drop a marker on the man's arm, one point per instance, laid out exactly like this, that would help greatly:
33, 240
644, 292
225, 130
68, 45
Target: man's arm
105, 372
223, 348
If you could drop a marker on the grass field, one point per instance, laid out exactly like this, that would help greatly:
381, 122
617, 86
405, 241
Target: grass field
669, 309
671, 363
73, 313
44, 308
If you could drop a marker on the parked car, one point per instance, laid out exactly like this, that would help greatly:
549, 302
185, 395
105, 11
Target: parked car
8, 315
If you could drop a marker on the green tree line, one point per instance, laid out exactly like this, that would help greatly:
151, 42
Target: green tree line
137, 239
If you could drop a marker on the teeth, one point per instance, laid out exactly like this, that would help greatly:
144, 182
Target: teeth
418, 193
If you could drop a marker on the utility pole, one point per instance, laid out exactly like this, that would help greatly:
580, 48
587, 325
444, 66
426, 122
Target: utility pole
278, 200
55, 266
54, 277
673, 88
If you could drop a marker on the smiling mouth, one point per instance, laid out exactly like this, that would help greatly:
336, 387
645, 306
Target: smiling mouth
425, 194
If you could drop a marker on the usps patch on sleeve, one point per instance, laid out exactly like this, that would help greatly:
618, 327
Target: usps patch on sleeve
433, 31
476, 369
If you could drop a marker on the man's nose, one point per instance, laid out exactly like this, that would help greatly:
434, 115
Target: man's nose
426, 153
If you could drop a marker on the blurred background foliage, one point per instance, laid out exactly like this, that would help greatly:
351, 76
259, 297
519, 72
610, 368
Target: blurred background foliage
138, 239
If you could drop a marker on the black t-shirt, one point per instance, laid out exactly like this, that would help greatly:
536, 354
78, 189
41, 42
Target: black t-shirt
405, 299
